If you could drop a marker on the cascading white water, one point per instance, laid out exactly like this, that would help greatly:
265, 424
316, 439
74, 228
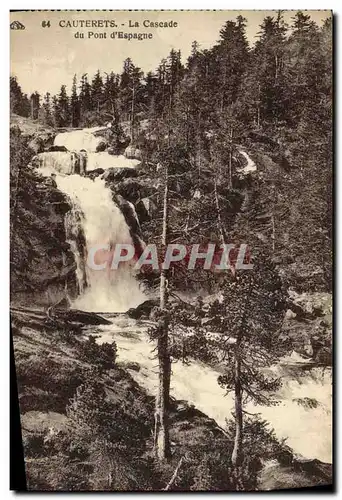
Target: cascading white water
79, 139
108, 290
85, 139
103, 223
308, 429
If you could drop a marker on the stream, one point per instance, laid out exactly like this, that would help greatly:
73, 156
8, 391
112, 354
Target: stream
307, 429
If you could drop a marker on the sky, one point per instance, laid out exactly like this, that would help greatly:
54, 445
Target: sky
44, 58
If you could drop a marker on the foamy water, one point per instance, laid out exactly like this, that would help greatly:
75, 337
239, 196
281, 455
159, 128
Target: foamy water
103, 223
106, 161
79, 139
251, 166
308, 430
109, 289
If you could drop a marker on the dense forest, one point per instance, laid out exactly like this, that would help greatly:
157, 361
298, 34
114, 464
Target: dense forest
190, 120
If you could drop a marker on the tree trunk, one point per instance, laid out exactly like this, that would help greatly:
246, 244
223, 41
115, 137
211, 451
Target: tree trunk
132, 115
273, 233
238, 389
161, 427
218, 212
230, 175
161, 437
273, 237
236, 455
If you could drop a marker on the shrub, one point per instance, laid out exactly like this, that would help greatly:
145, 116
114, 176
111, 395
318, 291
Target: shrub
102, 355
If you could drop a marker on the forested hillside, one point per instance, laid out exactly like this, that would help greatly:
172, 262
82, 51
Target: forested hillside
274, 97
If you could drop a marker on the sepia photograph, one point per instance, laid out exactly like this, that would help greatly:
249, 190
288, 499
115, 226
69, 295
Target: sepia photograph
171, 250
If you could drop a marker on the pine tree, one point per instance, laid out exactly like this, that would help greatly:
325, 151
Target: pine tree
46, 110
248, 319
19, 103
74, 104
232, 58
35, 105
131, 94
97, 92
268, 72
61, 108
111, 93
85, 96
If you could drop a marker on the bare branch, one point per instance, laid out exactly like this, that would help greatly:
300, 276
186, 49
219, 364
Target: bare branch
174, 476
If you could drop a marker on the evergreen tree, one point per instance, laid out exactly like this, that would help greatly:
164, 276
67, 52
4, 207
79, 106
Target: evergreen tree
268, 72
46, 110
74, 104
85, 96
97, 92
61, 108
19, 103
232, 58
35, 105
249, 317
111, 94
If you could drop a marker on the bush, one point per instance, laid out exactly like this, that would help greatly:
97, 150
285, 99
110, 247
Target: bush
101, 355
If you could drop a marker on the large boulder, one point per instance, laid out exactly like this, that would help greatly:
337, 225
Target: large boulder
128, 210
62, 149
118, 174
133, 153
134, 189
102, 145
95, 173
36, 144
143, 310
118, 146
113, 151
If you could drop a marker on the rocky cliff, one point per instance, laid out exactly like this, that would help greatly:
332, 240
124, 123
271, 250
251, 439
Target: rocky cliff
42, 264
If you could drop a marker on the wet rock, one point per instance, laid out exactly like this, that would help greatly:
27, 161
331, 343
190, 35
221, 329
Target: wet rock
37, 145
135, 189
62, 149
143, 309
95, 173
102, 145
290, 314
118, 146
77, 316
128, 211
132, 366
118, 174
113, 151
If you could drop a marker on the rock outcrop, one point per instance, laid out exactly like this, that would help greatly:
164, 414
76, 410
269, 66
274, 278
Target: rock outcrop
133, 153
118, 174
43, 268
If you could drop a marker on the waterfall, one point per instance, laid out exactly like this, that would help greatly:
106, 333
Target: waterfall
80, 139
307, 428
250, 166
102, 222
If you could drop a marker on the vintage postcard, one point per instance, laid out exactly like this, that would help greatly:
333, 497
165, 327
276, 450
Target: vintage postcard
171, 249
